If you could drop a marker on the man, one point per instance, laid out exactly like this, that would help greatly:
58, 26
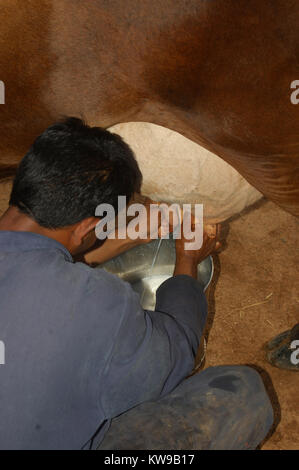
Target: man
79, 349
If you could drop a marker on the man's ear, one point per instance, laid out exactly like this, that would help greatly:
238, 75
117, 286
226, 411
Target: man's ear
82, 229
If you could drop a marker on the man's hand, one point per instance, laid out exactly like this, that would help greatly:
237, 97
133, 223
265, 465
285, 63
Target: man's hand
188, 260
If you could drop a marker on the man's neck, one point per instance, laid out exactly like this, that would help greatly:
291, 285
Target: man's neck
14, 220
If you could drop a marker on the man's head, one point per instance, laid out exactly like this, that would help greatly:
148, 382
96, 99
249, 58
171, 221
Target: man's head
70, 169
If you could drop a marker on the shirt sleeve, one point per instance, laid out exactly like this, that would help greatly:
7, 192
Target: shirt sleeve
154, 350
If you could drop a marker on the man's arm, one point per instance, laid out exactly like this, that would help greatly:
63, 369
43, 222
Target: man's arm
108, 250
111, 248
155, 351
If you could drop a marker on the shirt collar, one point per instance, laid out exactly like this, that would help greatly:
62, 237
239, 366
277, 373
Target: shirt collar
11, 241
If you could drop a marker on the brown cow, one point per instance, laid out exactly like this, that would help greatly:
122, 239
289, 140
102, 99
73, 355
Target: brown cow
217, 71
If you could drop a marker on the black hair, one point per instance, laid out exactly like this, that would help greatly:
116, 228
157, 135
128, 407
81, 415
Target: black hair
70, 169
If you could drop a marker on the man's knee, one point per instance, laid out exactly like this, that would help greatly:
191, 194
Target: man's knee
247, 386
242, 380
236, 379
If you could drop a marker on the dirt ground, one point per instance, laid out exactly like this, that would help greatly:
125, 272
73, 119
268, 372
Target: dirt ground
254, 296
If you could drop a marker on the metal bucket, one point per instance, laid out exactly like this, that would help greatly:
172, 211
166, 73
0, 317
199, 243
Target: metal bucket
136, 267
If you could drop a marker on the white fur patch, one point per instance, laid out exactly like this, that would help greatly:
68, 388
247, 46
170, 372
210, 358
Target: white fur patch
175, 169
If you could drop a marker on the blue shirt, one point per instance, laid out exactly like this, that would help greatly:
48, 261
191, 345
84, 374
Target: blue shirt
79, 348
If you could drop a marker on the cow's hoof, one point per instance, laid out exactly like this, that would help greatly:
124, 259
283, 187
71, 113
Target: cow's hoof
282, 350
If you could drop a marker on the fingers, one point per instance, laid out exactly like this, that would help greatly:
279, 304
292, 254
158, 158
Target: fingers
211, 244
218, 246
213, 230
214, 244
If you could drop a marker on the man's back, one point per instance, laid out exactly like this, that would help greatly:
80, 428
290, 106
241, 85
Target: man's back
50, 339
79, 349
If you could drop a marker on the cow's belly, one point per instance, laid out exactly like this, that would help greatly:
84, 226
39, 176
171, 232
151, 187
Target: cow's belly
175, 169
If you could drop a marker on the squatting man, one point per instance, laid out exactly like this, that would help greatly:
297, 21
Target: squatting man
86, 367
